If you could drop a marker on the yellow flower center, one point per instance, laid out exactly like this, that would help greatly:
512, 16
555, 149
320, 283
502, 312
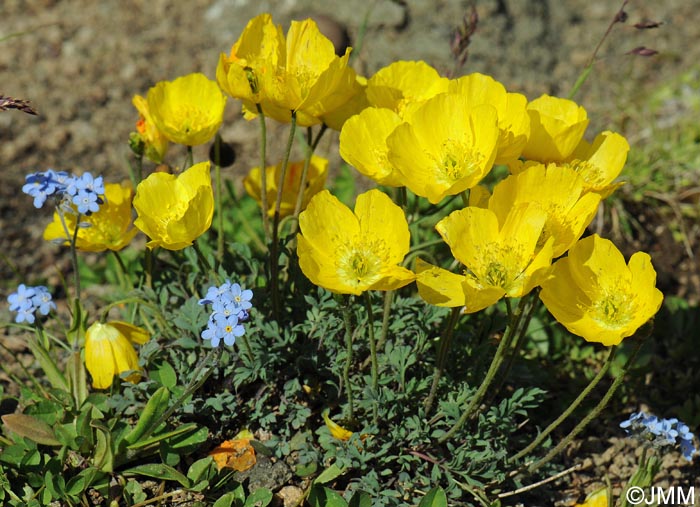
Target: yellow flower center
456, 161
590, 173
188, 117
614, 308
360, 263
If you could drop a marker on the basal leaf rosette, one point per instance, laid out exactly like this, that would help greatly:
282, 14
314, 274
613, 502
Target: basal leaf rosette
556, 127
499, 260
316, 180
513, 118
559, 191
446, 148
597, 296
110, 228
188, 110
363, 144
109, 351
350, 252
402, 86
172, 210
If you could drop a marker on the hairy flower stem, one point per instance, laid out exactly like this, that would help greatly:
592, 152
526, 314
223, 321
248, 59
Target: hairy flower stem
574, 404
274, 247
73, 238
189, 160
345, 310
311, 148
220, 204
593, 413
386, 316
444, 347
263, 175
373, 355
505, 344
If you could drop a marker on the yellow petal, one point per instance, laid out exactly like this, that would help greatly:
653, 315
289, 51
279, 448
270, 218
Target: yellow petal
336, 430
438, 286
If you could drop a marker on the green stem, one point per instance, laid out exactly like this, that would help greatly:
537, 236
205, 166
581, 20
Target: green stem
124, 278
574, 404
386, 315
195, 383
475, 400
189, 161
619, 16
373, 354
593, 413
274, 247
345, 309
263, 175
219, 203
311, 148
200, 256
73, 239
444, 347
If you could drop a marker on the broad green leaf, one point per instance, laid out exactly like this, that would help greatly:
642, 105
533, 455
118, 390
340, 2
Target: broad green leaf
225, 500
32, 428
321, 496
360, 499
259, 498
329, 474
434, 498
159, 471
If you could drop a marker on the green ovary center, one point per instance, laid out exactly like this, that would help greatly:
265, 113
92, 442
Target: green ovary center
456, 162
360, 265
613, 310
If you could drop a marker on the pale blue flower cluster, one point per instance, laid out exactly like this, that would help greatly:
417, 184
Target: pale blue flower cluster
84, 192
29, 300
661, 433
230, 305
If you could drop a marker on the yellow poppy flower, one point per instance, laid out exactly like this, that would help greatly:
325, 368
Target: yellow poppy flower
357, 103
595, 295
402, 86
559, 191
109, 351
301, 73
156, 144
363, 144
513, 119
499, 260
316, 179
110, 228
601, 162
349, 253
172, 210
188, 110
256, 60
446, 148
556, 127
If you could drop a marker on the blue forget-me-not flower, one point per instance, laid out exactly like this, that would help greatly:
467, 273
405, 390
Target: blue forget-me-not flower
230, 304
660, 433
26, 301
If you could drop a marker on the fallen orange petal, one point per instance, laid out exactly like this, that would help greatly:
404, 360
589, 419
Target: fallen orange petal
237, 454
